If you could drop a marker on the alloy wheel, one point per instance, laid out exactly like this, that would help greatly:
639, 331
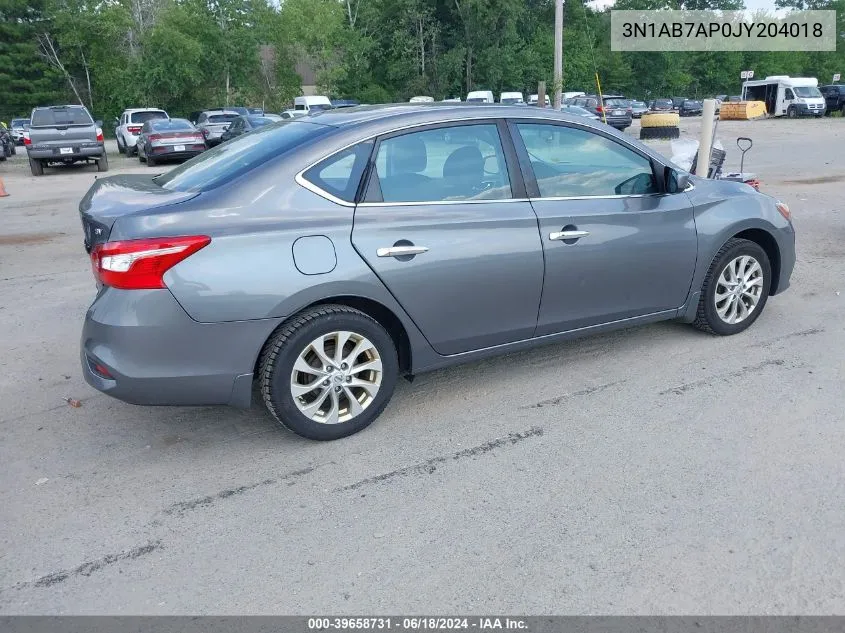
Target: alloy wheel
739, 289
336, 377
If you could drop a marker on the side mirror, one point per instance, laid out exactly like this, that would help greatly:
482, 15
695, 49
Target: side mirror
116, 122
675, 181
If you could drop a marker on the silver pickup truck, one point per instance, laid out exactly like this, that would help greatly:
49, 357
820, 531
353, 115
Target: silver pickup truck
64, 134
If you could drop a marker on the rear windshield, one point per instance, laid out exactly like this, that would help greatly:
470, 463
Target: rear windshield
49, 117
228, 161
222, 118
663, 102
616, 103
172, 124
20, 123
143, 117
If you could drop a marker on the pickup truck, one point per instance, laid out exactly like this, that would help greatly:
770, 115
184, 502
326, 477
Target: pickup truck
64, 135
834, 98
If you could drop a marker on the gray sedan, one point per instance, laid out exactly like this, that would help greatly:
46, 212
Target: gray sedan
322, 258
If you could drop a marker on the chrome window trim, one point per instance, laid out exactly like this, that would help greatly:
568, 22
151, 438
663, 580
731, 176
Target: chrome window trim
300, 179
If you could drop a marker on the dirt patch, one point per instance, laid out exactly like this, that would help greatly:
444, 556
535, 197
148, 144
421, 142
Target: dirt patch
27, 238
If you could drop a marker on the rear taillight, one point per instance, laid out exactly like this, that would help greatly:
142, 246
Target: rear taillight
133, 129
141, 264
205, 132
100, 135
599, 109
26, 139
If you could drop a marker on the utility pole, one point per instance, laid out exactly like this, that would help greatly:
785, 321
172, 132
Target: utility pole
558, 78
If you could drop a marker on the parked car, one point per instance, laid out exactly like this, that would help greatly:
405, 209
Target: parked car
690, 108
17, 127
290, 114
579, 111
168, 139
662, 105
244, 124
212, 124
535, 99
480, 96
344, 103
677, 101
452, 100
512, 98
638, 109
834, 98
128, 127
195, 305
421, 99
256, 111
64, 134
7, 143
615, 109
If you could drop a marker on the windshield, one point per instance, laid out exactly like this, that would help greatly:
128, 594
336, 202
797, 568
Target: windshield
692, 104
638, 104
229, 160
222, 118
807, 91
149, 115
60, 115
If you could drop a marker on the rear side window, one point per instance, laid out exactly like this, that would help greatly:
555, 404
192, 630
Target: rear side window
445, 164
48, 117
226, 162
143, 117
569, 162
341, 174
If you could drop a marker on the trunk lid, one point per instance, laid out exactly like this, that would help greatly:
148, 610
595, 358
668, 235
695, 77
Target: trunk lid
116, 196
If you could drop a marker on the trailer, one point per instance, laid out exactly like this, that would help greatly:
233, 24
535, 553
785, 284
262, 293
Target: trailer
792, 97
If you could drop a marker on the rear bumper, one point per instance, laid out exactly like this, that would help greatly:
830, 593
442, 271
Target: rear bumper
156, 354
167, 152
53, 152
620, 123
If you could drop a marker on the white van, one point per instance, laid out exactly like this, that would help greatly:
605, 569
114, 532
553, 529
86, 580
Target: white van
533, 99
786, 96
311, 104
512, 98
480, 96
422, 100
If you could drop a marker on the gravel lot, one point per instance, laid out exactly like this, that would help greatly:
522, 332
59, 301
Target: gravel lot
654, 470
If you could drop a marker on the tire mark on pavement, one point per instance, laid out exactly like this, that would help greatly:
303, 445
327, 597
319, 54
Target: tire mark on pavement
799, 333
89, 567
704, 382
430, 465
181, 507
560, 399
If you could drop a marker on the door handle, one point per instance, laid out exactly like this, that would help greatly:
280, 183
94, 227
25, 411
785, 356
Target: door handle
568, 235
400, 251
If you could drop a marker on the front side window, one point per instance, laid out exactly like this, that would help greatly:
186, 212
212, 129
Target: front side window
787, 94
444, 164
569, 162
341, 173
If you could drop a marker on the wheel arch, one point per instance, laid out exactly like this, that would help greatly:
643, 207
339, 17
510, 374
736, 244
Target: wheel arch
767, 242
372, 308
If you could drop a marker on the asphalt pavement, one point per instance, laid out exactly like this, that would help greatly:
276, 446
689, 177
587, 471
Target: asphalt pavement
656, 470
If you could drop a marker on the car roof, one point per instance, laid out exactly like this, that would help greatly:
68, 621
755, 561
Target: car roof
384, 118
222, 112
131, 110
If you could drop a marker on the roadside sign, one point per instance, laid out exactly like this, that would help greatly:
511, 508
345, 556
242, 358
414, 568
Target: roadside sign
836, 77
746, 74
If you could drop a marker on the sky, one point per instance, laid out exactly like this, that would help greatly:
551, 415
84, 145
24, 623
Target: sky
751, 5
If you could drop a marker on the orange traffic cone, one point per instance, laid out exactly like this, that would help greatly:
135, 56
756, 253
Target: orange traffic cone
3, 192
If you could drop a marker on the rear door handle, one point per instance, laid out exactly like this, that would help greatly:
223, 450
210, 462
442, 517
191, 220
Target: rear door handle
399, 251
568, 235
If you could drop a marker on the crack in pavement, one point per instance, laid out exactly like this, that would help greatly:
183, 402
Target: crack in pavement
704, 382
574, 394
430, 465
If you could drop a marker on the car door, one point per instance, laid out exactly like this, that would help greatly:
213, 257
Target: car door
615, 246
446, 227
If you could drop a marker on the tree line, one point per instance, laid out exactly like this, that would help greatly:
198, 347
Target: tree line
185, 55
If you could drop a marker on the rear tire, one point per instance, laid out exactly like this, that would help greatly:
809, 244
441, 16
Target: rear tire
36, 166
714, 312
103, 162
121, 149
342, 401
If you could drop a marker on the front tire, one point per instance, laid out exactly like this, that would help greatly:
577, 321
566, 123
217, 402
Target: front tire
328, 372
791, 112
735, 289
